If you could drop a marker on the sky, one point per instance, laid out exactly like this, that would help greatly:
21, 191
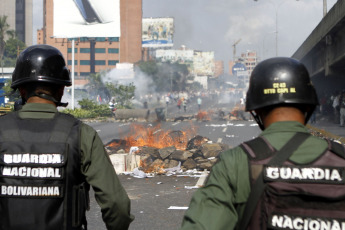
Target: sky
215, 25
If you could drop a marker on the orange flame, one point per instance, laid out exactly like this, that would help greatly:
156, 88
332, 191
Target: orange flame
141, 135
203, 116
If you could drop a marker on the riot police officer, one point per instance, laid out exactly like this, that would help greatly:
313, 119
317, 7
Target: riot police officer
49, 159
281, 98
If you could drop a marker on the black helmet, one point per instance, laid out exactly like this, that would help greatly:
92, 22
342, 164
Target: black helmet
40, 63
280, 80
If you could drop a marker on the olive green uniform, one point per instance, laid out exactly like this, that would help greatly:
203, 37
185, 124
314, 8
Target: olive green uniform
97, 168
220, 203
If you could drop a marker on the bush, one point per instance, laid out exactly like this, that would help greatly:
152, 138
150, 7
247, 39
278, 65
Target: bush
81, 113
90, 109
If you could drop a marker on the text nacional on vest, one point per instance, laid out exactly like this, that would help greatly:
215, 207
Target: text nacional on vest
280, 221
304, 174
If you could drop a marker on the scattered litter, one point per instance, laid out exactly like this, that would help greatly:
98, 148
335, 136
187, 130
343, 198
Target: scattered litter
202, 179
174, 169
229, 135
190, 187
138, 173
157, 195
178, 208
133, 149
141, 212
211, 158
159, 182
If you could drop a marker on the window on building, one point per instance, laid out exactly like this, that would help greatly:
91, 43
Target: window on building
84, 50
84, 62
100, 62
113, 39
113, 50
100, 50
100, 39
69, 50
113, 62
84, 74
70, 62
84, 39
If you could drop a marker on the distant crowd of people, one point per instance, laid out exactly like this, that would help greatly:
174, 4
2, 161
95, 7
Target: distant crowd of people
333, 107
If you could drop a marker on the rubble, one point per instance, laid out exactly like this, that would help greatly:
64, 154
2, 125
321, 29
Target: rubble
200, 154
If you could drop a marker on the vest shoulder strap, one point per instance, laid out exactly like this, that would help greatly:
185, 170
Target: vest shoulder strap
9, 128
63, 126
263, 149
337, 148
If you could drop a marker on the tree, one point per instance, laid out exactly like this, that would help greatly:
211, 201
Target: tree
13, 47
166, 76
123, 94
5, 32
12, 95
97, 87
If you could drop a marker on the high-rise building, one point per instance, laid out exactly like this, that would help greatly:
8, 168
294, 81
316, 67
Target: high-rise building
250, 60
92, 55
19, 17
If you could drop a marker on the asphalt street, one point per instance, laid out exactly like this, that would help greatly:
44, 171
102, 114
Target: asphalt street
157, 203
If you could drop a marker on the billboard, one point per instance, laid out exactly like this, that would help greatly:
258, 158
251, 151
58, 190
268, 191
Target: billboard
157, 32
203, 63
239, 69
179, 56
86, 18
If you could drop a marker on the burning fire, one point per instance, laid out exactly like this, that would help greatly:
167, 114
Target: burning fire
203, 116
141, 135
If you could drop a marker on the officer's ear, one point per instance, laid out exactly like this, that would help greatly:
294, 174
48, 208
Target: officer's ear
61, 90
22, 92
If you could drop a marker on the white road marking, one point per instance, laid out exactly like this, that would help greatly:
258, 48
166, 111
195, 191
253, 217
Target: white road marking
219, 140
224, 130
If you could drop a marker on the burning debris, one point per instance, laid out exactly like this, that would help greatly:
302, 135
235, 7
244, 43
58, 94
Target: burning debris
158, 151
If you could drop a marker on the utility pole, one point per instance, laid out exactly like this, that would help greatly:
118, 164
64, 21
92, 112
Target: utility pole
276, 9
324, 7
234, 48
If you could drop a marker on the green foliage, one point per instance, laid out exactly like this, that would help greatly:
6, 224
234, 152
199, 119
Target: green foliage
8, 90
123, 94
9, 62
81, 113
87, 104
90, 109
148, 67
196, 86
5, 32
166, 76
13, 47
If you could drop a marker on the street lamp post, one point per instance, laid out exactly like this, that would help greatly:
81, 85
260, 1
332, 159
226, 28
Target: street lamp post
276, 8
324, 7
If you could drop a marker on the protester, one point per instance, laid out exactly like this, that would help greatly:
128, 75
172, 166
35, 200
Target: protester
252, 186
184, 104
49, 159
342, 109
199, 101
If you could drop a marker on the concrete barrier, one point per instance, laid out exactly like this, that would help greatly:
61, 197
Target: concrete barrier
124, 162
124, 114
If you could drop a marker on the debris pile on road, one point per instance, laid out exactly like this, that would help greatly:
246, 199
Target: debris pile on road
199, 154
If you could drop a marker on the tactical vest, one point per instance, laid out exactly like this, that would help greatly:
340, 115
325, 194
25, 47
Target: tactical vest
41, 185
295, 196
